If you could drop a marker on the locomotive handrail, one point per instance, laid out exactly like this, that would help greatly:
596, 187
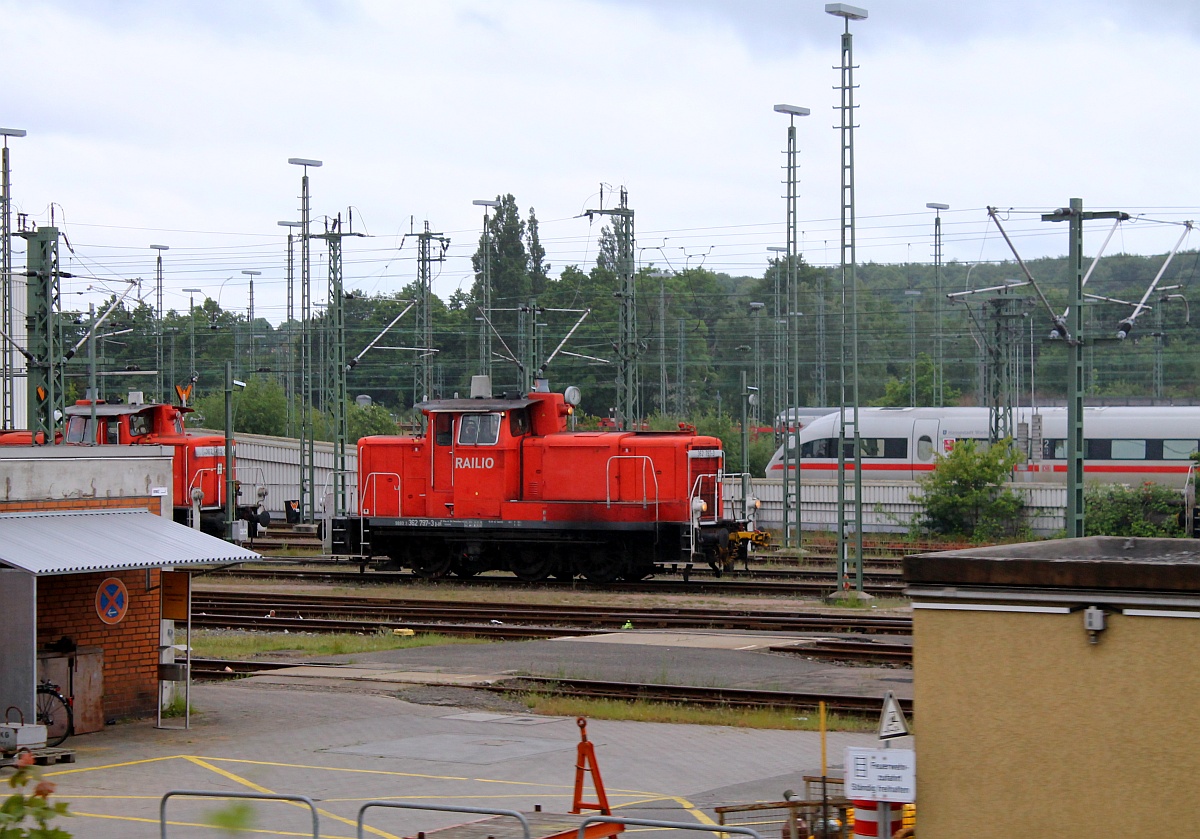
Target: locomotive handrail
368, 490
350, 489
717, 480
608, 479
198, 481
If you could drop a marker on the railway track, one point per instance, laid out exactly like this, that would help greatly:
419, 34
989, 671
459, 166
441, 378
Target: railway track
687, 694
814, 583
220, 670
329, 613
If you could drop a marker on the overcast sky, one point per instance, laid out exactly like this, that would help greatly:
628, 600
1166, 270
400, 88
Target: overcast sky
172, 123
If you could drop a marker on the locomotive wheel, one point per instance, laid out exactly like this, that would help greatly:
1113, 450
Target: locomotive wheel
604, 566
432, 563
533, 564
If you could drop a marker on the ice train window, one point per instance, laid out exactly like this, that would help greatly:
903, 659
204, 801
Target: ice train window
924, 448
1178, 449
1128, 449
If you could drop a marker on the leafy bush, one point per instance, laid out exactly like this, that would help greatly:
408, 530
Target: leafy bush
29, 815
964, 496
1147, 510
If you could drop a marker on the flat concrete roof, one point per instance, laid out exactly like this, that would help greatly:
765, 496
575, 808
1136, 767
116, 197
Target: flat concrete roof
1093, 562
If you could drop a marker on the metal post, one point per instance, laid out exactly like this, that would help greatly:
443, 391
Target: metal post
627, 348
253, 362
307, 448
160, 391
229, 489
424, 326
1075, 340
8, 356
912, 294
1075, 370
850, 570
290, 372
44, 369
663, 385
680, 347
485, 333
745, 448
939, 352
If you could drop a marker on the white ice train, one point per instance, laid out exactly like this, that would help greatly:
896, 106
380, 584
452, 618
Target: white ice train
1122, 445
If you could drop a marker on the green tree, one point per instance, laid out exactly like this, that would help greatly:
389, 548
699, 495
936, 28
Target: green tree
371, 420
258, 408
964, 496
898, 394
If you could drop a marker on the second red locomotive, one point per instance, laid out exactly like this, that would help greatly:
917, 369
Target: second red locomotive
500, 483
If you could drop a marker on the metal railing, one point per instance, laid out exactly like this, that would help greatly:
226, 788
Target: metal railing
708, 828
196, 793
444, 808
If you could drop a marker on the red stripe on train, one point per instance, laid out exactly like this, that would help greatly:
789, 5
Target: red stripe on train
1057, 467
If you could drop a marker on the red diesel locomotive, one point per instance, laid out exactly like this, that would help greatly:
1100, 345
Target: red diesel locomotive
198, 463
499, 483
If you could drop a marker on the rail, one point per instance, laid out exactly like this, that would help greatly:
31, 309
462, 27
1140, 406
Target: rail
608, 480
442, 808
259, 796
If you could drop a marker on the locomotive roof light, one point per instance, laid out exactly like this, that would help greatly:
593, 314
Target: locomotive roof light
699, 506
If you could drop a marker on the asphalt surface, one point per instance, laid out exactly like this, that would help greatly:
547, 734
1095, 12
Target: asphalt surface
394, 726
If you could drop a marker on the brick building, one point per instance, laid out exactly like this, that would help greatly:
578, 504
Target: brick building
84, 534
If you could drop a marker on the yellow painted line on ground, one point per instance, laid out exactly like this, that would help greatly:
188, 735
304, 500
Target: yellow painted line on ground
143, 820
57, 772
341, 769
258, 788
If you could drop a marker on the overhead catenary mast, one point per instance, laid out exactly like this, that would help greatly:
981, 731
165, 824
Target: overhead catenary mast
627, 409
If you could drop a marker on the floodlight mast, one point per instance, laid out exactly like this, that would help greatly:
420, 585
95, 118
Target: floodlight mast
307, 448
850, 511
787, 344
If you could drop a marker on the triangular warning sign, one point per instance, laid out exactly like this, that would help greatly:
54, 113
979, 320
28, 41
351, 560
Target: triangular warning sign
891, 722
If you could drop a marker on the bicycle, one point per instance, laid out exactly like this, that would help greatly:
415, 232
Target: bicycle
54, 712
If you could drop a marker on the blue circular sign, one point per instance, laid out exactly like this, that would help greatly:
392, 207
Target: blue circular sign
112, 600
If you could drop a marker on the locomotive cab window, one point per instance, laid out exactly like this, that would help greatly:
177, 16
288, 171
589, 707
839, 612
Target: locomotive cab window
81, 430
443, 429
518, 422
139, 425
479, 430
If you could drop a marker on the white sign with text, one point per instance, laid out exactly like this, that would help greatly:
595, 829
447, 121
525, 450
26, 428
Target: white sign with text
881, 774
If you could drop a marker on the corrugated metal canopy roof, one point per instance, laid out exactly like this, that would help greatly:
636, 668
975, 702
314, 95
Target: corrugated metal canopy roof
74, 542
